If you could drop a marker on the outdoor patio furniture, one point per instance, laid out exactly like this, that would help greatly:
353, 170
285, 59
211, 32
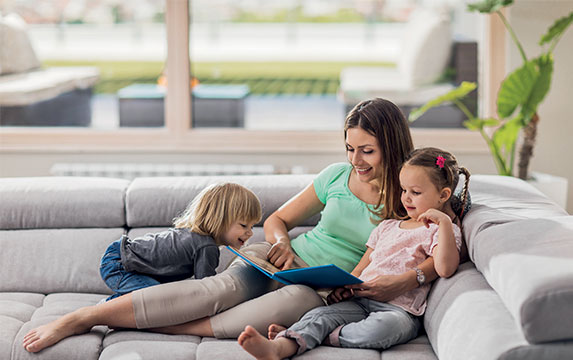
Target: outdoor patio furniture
142, 105
30, 96
425, 56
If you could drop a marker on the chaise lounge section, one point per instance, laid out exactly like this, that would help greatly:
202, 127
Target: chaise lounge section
511, 301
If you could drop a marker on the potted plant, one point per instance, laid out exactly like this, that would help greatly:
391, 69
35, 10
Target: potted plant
518, 98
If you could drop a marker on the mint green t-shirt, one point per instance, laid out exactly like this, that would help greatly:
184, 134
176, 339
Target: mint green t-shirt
340, 236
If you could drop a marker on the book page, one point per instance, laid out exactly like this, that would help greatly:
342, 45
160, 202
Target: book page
265, 265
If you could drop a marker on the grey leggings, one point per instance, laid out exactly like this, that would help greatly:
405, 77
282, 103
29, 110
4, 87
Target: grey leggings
237, 297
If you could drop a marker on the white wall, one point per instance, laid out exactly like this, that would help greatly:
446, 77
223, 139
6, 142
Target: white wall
554, 149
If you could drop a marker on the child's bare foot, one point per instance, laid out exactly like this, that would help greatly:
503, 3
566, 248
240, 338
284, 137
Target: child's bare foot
49, 334
256, 345
274, 329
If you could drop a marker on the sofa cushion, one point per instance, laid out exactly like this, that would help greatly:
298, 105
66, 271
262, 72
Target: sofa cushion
156, 201
231, 350
466, 319
529, 263
86, 346
150, 350
417, 349
521, 242
61, 202
54, 260
125, 335
502, 199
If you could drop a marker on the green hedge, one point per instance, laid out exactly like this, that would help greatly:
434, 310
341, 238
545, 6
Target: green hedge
288, 78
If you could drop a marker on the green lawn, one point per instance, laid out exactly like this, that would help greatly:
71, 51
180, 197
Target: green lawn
262, 78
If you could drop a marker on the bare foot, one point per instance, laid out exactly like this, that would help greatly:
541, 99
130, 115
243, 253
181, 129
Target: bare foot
256, 345
49, 334
274, 329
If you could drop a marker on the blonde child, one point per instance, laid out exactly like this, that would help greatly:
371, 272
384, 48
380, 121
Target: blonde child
427, 179
222, 214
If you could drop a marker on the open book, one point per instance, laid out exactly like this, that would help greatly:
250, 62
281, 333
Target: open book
325, 276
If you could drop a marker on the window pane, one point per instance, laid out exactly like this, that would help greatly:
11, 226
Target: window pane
94, 63
301, 65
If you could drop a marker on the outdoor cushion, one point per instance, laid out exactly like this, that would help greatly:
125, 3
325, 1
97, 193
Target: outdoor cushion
17, 54
39, 85
427, 44
426, 49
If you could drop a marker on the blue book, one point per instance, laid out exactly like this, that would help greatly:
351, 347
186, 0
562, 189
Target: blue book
324, 276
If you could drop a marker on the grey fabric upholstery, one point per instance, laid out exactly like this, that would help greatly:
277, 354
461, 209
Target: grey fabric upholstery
54, 260
511, 302
524, 249
62, 202
156, 201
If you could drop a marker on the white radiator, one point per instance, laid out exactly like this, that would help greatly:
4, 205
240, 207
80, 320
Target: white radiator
131, 170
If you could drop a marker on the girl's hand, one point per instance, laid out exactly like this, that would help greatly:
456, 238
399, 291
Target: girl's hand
433, 216
383, 288
339, 294
281, 254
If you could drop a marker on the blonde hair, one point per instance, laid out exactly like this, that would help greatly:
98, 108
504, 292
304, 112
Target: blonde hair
217, 207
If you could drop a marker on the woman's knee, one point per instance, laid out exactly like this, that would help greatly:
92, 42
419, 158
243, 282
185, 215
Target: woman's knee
303, 294
297, 300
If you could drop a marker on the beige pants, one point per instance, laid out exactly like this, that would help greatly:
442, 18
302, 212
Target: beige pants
220, 295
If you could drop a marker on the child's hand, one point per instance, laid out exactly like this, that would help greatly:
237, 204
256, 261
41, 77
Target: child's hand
339, 294
433, 216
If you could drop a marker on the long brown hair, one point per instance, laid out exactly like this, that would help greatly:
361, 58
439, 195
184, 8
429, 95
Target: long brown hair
384, 120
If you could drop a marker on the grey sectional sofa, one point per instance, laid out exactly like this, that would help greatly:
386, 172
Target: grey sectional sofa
514, 300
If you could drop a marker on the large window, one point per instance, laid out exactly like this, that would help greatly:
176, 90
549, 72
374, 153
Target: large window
268, 73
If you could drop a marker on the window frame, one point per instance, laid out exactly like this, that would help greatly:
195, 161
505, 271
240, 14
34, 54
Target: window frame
178, 134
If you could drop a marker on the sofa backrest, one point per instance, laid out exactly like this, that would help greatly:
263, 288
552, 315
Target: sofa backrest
155, 201
54, 230
62, 202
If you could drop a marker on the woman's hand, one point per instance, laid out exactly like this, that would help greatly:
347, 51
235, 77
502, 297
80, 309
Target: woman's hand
384, 287
338, 294
281, 254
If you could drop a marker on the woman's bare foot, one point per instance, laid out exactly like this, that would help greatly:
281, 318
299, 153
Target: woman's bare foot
49, 334
264, 349
274, 329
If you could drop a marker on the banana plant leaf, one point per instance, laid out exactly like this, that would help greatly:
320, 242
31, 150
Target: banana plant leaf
477, 124
541, 86
489, 6
458, 93
516, 88
506, 136
558, 28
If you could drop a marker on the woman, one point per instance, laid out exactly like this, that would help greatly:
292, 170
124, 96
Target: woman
351, 197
